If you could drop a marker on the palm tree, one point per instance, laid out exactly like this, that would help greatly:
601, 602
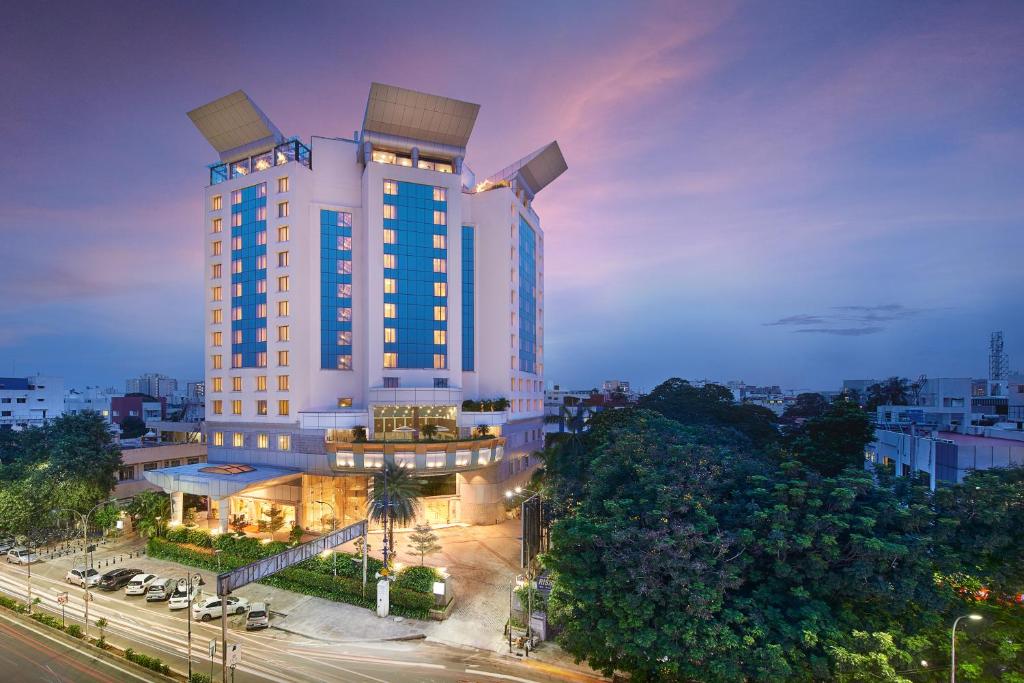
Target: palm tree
428, 431
892, 392
151, 511
482, 431
401, 492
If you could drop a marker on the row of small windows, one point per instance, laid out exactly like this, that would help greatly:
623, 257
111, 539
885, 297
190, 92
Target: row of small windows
283, 310
284, 441
382, 157
217, 360
283, 335
217, 383
261, 407
391, 360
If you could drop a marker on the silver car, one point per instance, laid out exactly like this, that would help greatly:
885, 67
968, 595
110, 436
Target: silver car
80, 576
21, 555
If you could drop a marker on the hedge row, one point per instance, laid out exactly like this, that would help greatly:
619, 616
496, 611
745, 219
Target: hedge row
300, 579
11, 604
151, 663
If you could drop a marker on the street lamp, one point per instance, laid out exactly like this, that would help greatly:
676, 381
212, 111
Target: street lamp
952, 649
188, 588
528, 565
334, 527
85, 551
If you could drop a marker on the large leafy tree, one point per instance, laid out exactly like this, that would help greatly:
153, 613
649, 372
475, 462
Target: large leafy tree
151, 511
808, 404
894, 391
834, 440
710, 405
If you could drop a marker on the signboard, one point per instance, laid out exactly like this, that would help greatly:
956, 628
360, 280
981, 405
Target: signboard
213, 648
234, 654
88, 596
261, 569
62, 598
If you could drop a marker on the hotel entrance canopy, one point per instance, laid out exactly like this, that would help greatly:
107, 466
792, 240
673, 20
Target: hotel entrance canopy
218, 480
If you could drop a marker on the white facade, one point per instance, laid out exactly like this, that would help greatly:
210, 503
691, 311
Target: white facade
152, 383
30, 401
96, 399
350, 231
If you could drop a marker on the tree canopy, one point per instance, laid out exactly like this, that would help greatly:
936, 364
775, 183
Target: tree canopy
894, 391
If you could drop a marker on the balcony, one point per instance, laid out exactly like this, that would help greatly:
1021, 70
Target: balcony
293, 150
423, 456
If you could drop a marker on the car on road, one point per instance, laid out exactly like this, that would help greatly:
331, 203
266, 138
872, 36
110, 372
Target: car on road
258, 617
139, 584
80, 576
21, 555
6, 544
182, 596
160, 590
209, 608
117, 578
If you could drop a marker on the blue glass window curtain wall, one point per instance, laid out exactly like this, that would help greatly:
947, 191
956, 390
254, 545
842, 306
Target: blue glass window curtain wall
249, 228
527, 297
468, 341
335, 290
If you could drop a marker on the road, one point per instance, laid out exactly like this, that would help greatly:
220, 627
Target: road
29, 654
268, 655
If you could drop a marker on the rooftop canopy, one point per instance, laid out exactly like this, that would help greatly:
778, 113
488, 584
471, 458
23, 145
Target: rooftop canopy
536, 170
217, 480
391, 110
234, 125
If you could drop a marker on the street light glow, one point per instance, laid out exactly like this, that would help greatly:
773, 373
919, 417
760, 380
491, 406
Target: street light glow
974, 617
519, 489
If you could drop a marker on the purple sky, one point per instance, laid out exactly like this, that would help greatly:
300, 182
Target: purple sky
777, 192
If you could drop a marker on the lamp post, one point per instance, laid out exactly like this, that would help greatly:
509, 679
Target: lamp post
528, 564
188, 587
334, 527
952, 648
85, 552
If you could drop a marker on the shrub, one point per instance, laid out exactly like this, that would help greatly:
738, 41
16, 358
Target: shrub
419, 579
177, 534
151, 663
411, 602
200, 677
200, 537
51, 621
10, 604
73, 630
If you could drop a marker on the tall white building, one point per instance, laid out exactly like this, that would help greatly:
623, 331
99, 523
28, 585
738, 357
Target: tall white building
359, 291
30, 401
152, 383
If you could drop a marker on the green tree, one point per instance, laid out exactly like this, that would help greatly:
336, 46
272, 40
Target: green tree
894, 391
710, 405
295, 535
238, 523
806, 405
428, 431
423, 541
151, 511
397, 501
481, 431
834, 440
274, 520
132, 427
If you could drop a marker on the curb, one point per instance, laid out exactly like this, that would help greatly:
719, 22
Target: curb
411, 636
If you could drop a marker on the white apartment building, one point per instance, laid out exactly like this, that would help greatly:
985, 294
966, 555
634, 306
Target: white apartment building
94, 398
30, 401
152, 383
358, 292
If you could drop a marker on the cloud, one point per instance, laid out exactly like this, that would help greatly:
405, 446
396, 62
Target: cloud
848, 321
800, 319
842, 331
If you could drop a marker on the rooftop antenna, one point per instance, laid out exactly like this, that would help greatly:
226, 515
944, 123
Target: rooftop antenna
998, 363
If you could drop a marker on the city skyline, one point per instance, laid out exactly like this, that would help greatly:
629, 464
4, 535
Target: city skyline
782, 195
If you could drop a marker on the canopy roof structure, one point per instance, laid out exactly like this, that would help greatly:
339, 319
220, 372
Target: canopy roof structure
391, 110
218, 479
535, 170
233, 125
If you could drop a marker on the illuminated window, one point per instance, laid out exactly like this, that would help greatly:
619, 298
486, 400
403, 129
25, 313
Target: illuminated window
440, 194
391, 360
282, 259
374, 460
405, 460
218, 406
217, 384
282, 382
216, 338
284, 442
236, 220
215, 270
261, 213
440, 289
282, 359
261, 237
218, 224
282, 283
236, 243
217, 246
439, 337
237, 439
344, 338
440, 218
345, 402
216, 202
345, 361
261, 262
236, 360
440, 265
389, 236
261, 334
390, 187
282, 407
436, 459
440, 361
236, 197
282, 309
440, 312
389, 335
283, 333
282, 233
261, 359
236, 336
344, 290
345, 314
217, 293
383, 157
261, 407
390, 211
282, 184
389, 285
262, 440
282, 209
215, 361
389, 261
261, 286
344, 267
216, 316
236, 266
389, 310
236, 289
440, 242
236, 407
261, 310
261, 382
344, 243
218, 438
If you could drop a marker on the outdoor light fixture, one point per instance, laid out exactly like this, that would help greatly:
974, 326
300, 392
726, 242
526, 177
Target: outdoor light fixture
508, 494
519, 489
974, 617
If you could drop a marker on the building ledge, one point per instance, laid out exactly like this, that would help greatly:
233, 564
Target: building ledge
333, 419
438, 457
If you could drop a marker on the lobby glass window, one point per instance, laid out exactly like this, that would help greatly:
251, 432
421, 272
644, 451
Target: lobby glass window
284, 442
218, 438
373, 460
262, 441
435, 459
237, 439
405, 460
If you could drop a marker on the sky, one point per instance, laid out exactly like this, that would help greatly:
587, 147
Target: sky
790, 193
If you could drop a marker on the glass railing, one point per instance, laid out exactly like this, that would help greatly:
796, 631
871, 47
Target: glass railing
293, 150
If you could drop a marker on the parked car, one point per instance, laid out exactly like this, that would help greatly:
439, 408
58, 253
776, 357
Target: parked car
258, 617
117, 578
160, 590
80, 576
182, 596
209, 608
6, 544
21, 555
139, 584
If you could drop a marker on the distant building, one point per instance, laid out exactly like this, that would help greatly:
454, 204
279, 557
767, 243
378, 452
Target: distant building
616, 386
30, 401
771, 396
153, 384
96, 399
137, 460
946, 457
137, 405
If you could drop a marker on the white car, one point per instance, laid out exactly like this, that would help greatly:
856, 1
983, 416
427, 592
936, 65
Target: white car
182, 597
80, 576
21, 555
209, 608
139, 584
